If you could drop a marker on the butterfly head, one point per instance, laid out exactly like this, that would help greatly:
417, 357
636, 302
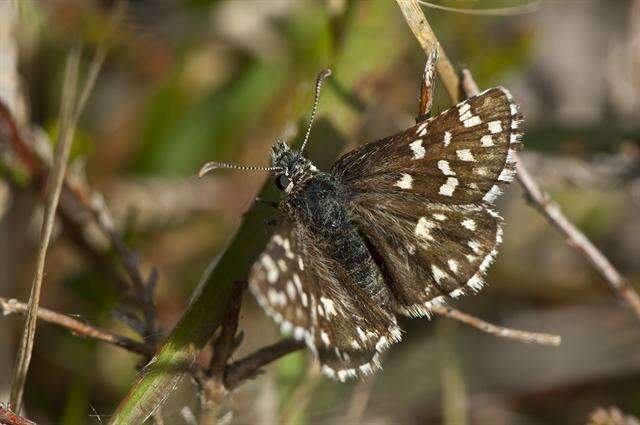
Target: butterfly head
291, 168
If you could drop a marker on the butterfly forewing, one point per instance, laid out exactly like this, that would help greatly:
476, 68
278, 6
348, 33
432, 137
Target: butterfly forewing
309, 296
465, 155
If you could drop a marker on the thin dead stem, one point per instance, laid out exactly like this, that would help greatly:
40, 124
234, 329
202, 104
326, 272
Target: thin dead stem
524, 336
63, 148
250, 366
495, 11
422, 30
78, 327
8, 417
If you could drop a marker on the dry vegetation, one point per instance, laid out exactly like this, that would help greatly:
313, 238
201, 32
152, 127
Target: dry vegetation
107, 109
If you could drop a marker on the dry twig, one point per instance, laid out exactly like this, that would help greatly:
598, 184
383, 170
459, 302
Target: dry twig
250, 366
8, 417
419, 25
524, 336
68, 118
78, 327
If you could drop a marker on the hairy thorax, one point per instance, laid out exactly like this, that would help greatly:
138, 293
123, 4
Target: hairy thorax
320, 204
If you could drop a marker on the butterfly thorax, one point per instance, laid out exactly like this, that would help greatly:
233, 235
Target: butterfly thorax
320, 204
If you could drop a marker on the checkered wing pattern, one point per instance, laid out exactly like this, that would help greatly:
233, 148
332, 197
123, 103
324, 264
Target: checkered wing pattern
463, 156
422, 198
308, 295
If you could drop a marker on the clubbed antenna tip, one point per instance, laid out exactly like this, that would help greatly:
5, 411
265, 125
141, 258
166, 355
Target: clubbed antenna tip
210, 166
319, 80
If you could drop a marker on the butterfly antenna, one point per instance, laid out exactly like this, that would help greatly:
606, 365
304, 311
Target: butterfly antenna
319, 80
210, 166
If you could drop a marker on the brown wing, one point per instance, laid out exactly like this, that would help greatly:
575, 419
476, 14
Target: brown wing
462, 156
430, 251
421, 198
308, 295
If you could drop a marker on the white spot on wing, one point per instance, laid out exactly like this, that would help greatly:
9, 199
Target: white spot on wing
417, 149
495, 127
472, 122
287, 249
443, 165
291, 290
511, 156
486, 141
456, 293
325, 338
447, 138
475, 246
276, 297
465, 155
282, 265
492, 194
438, 274
476, 282
405, 182
453, 265
329, 306
506, 175
469, 224
423, 229
464, 108
440, 217
270, 267
448, 188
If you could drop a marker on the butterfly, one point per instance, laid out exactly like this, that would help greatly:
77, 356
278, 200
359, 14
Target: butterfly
394, 227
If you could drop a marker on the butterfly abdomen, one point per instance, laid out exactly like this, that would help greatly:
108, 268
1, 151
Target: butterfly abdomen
321, 207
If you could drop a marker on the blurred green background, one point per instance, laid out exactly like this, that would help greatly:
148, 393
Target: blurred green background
187, 82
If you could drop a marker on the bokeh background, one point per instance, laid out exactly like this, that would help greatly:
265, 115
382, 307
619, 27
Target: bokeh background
186, 82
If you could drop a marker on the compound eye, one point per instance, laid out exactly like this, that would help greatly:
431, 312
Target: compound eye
282, 182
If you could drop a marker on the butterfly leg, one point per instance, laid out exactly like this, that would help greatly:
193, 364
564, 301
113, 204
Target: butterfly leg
427, 86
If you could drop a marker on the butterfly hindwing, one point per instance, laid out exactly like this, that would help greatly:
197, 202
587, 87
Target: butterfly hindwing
465, 155
308, 295
430, 252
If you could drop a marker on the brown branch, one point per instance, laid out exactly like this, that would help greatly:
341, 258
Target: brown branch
78, 327
531, 337
227, 342
7, 417
419, 25
576, 239
212, 391
250, 366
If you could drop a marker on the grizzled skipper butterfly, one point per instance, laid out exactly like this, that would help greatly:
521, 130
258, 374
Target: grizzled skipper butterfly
394, 227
